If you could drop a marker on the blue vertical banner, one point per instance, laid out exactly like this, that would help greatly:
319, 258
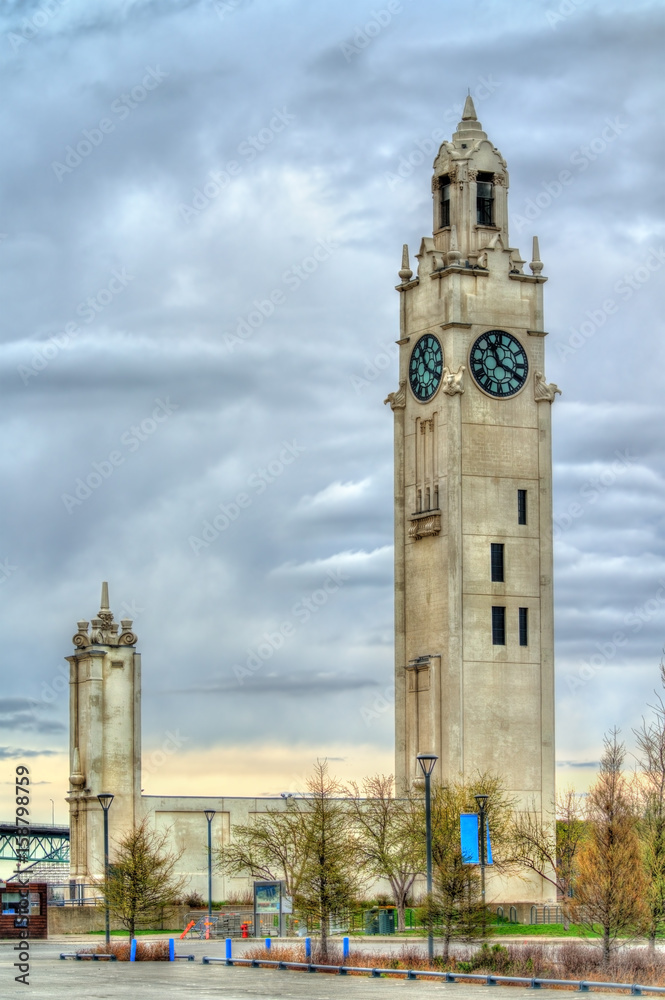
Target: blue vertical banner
468, 825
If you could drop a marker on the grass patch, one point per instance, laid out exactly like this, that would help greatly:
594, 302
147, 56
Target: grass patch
540, 930
167, 930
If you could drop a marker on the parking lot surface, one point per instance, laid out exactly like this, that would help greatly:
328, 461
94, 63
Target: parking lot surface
53, 979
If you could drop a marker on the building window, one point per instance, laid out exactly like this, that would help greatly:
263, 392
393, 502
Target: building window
498, 626
524, 626
485, 199
444, 212
496, 560
521, 506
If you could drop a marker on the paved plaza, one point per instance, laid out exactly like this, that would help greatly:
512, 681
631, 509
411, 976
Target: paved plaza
53, 979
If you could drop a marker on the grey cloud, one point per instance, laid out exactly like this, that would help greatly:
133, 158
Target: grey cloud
20, 753
163, 335
578, 763
289, 685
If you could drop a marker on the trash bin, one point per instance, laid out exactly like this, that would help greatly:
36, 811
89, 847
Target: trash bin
372, 920
386, 920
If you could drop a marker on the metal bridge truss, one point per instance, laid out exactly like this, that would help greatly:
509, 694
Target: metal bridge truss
45, 843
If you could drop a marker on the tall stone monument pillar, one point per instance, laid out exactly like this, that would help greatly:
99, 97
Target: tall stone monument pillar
104, 735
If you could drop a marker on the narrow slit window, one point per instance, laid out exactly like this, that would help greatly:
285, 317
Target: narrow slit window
444, 202
485, 199
524, 626
498, 626
521, 506
496, 561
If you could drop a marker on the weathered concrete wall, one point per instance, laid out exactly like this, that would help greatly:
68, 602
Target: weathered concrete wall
83, 919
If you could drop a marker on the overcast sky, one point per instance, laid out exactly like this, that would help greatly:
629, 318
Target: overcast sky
202, 212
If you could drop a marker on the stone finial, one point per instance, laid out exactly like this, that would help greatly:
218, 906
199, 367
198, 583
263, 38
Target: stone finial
76, 778
469, 128
469, 113
453, 256
536, 264
405, 271
104, 603
544, 391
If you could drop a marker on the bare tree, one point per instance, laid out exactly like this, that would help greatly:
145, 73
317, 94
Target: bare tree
271, 848
650, 755
390, 837
610, 884
332, 873
549, 846
311, 845
142, 877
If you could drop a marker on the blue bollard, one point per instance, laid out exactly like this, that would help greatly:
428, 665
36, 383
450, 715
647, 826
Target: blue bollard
268, 943
345, 947
171, 950
308, 947
229, 952
132, 951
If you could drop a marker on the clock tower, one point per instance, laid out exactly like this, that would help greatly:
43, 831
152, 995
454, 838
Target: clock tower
474, 648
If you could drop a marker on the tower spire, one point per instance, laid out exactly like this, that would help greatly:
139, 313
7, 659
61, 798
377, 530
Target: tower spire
469, 113
104, 605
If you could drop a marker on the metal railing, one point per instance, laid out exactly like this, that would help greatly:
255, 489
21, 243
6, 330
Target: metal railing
73, 894
583, 985
546, 915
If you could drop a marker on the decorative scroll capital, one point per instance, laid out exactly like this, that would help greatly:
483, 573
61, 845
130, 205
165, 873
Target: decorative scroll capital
397, 399
452, 381
543, 391
104, 631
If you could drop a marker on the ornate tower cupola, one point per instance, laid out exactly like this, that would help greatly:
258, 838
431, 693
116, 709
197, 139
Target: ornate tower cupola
469, 187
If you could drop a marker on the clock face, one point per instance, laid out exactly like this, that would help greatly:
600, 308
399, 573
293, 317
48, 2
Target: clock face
499, 363
425, 367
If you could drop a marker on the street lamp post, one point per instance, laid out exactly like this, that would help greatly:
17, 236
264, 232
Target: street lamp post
482, 802
52, 812
105, 800
427, 762
209, 813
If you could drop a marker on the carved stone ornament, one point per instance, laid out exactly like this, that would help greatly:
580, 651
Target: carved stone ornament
103, 629
77, 778
452, 381
543, 391
397, 399
425, 526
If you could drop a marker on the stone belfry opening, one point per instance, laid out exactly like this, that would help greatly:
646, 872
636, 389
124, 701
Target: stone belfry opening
474, 654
